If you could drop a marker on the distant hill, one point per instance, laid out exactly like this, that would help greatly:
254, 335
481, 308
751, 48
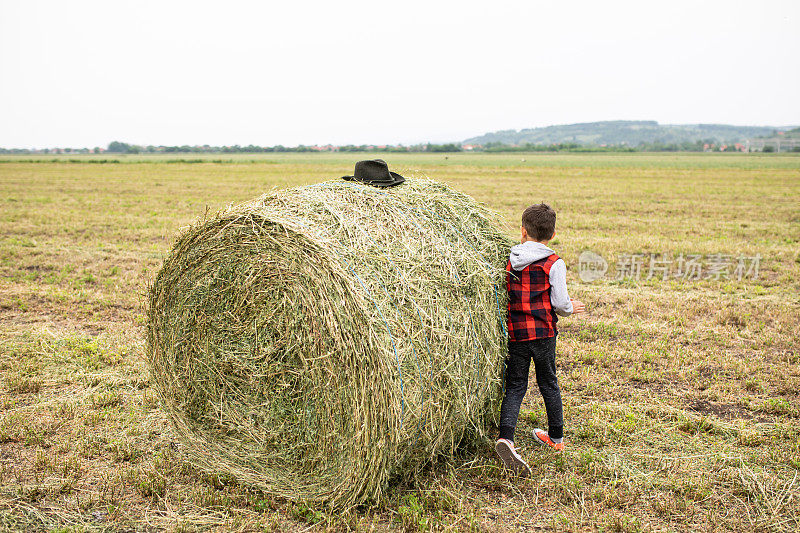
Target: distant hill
625, 132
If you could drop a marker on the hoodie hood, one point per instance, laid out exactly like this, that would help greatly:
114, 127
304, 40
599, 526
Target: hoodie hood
526, 253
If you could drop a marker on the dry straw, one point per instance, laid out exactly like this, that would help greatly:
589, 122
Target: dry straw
318, 341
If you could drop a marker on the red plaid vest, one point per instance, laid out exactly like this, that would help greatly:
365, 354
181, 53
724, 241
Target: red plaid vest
530, 315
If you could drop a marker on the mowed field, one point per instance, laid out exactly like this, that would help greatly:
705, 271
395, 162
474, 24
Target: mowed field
681, 396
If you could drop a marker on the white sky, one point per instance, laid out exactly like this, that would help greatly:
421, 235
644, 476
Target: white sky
84, 73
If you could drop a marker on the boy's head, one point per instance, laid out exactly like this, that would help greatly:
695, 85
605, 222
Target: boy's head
538, 223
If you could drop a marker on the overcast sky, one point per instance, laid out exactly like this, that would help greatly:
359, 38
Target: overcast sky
82, 73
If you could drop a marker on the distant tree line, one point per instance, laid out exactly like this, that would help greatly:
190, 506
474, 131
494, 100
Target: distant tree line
659, 139
95, 150
124, 148
117, 147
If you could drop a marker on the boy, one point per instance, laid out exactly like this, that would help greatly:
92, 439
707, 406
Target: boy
537, 292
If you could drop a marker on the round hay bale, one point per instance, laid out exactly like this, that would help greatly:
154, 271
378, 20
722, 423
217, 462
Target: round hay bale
319, 340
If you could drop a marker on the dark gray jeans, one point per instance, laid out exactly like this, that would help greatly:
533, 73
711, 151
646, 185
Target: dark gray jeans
518, 364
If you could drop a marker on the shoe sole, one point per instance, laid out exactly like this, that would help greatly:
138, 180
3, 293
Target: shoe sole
512, 460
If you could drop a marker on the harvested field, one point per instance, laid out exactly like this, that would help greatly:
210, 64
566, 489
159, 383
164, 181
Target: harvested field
681, 395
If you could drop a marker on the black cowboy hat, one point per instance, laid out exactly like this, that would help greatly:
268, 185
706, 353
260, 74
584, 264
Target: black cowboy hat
375, 172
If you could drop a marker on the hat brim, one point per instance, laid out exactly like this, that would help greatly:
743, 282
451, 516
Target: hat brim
397, 179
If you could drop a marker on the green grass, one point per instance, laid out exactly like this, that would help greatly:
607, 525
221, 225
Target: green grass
681, 397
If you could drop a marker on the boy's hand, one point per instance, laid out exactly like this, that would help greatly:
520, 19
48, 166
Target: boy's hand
577, 306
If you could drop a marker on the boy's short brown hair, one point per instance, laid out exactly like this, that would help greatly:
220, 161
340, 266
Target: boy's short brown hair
539, 221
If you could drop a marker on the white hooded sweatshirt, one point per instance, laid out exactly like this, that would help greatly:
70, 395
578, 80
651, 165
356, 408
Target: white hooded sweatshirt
526, 253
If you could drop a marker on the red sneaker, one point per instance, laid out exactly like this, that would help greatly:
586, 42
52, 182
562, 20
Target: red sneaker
505, 449
542, 437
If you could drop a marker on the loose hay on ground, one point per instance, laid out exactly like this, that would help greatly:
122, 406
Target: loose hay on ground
319, 340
